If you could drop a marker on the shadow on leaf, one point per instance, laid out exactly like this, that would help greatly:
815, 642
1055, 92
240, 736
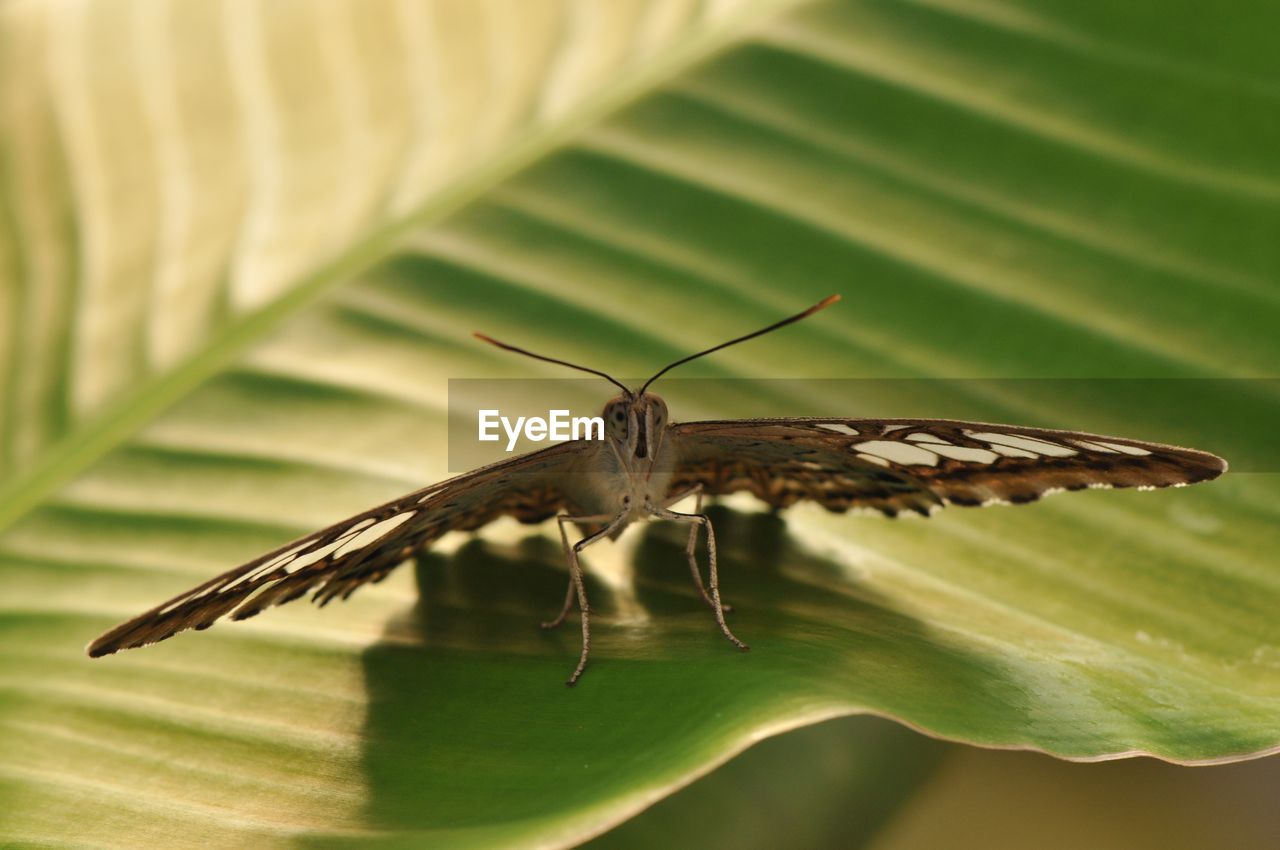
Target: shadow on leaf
468, 712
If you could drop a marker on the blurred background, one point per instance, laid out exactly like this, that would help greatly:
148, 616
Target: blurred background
242, 250
904, 791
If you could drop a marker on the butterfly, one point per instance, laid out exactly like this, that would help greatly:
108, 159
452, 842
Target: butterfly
646, 465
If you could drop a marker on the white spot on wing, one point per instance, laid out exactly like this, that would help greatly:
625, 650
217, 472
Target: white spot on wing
876, 460
186, 598
1010, 451
966, 454
268, 566
838, 427
431, 494
1123, 449
314, 555
889, 429
922, 437
1097, 447
1018, 441
311, 557
903, 453
372, 535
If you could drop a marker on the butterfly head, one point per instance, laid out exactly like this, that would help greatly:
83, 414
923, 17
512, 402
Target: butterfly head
634, 424
635, 420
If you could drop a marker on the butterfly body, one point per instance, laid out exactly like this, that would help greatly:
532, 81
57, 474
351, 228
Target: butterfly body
646, 465
630, 469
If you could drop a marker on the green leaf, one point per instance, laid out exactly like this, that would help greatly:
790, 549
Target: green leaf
801, 789
999, 191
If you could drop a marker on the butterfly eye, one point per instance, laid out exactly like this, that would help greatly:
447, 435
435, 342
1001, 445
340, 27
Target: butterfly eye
619, 416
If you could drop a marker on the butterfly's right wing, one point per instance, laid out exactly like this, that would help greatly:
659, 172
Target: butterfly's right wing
918, 465
785, 461
364, 548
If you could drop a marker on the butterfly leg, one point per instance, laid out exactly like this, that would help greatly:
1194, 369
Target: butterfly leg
700, 519
572, 588
569, 592
689, 553
575, 578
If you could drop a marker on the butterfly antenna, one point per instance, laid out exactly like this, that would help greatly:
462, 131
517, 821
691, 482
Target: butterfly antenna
821, 305
507, 347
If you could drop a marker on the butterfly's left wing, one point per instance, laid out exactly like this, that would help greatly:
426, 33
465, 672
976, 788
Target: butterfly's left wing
893, 465
364, 548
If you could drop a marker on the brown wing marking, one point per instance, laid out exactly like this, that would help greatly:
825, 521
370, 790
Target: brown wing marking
365, 548
962, 463
782, 464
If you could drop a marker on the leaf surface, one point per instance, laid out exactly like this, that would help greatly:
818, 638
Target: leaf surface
1000, 191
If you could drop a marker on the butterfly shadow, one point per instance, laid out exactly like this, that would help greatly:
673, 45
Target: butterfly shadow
469, 722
